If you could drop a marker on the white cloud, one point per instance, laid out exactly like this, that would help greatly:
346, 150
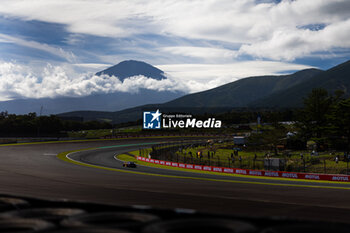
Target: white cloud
214, 34
300, 42
68, 56
93, 66
102, 18
21, 81
264, 30
206, 53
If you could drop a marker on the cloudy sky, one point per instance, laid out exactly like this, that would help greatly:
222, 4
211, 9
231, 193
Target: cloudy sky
49, 48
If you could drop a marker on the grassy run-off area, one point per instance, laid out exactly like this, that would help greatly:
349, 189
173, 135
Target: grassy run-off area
220, 155
127, 157
131, 157
322, 163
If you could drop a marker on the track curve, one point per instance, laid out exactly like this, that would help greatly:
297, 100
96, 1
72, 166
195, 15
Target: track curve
107, 158
34, 170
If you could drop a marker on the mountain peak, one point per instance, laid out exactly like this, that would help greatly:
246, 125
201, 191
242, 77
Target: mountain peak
129, 68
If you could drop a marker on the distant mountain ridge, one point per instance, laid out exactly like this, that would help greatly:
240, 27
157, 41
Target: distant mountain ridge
285, 91
131, 68
254, 92
244, 91
336, 78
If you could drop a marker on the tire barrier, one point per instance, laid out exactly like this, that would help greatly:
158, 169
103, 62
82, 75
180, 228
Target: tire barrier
250, 172
16, 225
201, 225
124, 220
309, 228
90, 230
72, 217
49, 214
7, 203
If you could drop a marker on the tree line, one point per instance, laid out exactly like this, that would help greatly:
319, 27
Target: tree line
325, 119
31, 125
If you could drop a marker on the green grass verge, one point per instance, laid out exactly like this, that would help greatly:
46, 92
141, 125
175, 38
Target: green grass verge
130, 158
314, 164
126, 157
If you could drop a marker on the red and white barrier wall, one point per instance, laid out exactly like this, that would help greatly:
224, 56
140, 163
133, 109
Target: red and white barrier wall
290, 175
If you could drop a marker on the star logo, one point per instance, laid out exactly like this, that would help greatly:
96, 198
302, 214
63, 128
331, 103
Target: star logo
151, 120
156, 115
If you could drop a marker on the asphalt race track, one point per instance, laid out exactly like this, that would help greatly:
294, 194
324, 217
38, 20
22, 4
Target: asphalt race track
35, 171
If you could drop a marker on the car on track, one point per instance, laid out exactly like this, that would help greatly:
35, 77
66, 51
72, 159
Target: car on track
129, 164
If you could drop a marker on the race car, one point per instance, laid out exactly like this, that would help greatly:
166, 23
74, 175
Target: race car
129, 164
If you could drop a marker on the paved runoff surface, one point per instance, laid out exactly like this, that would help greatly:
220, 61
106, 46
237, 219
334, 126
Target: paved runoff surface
94, 175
